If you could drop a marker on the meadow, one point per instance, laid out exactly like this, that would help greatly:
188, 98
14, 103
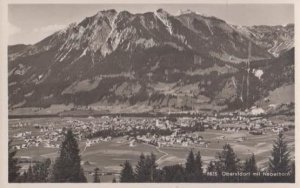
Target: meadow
109, 156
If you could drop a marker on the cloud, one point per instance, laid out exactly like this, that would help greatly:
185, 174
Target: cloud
13, 29
48, 28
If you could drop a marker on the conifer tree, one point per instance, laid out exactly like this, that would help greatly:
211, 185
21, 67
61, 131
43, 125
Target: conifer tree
23, 177
96, 175
50, 177
174, 173
210, 166
292, 177
146, 168
30, 176
250, 167
41, 170
13, 167
190, 167
67, 166
140, 169
228, 159
198, 167
151, 165
214, 169
280, 156
127, 174
190, 163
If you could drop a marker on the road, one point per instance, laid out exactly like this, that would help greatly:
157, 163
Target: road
165, 154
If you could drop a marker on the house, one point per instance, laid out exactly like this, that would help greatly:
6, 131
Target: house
185, 144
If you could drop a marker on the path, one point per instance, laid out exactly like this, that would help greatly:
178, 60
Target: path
83, 150
165, 154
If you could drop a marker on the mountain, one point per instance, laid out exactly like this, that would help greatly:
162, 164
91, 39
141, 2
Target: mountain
276, 39
123, 62
16, 48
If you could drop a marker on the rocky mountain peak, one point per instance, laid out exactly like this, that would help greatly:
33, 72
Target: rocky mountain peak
158, 58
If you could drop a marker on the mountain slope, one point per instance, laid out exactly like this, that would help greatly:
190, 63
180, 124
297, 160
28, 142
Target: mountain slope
152, 60
276, 39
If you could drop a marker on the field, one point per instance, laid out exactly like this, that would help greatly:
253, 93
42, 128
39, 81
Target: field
109, 155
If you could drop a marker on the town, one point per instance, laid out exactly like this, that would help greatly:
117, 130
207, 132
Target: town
164, 131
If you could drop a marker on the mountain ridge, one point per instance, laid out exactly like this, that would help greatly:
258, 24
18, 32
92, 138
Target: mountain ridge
153, 59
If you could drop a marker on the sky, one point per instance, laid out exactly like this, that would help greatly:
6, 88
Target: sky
30, 23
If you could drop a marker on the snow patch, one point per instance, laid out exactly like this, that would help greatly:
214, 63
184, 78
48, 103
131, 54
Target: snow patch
83, 53
61, 59
206, 22
105, 49
163, 17
234, 83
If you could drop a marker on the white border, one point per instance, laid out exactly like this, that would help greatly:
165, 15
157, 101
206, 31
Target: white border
4, 96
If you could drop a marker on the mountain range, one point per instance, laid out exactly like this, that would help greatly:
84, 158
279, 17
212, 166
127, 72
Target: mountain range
123, 62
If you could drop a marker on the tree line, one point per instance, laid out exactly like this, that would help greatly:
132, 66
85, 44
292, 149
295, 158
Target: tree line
133, 132
225, 161
67, 167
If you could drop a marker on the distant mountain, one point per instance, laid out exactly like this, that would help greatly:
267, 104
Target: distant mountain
276, 39
120, 61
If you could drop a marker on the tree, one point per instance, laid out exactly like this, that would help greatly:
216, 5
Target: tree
190, 167
37, 173
211, 167
280, 156
190, 163
67, 166
127, 174
151, 165
198, 167
34, 173
140, 169
40, 171
30, 176
13, 167
96, 175
214, 171
250, 167
199, 126
23, 177
174, 173
292, 177
227, 161
146, 169
279, 162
